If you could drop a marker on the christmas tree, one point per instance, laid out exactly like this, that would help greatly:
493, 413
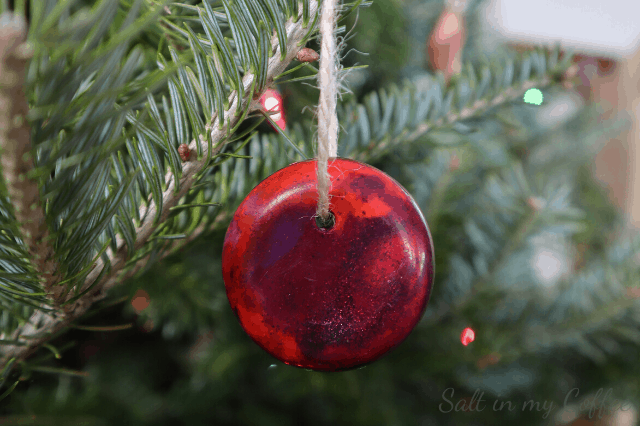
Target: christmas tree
131, 132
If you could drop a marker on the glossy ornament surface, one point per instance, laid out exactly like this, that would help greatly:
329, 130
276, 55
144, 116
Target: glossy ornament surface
336, 298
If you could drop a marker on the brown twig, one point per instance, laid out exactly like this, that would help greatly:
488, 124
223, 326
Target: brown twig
15, 145
42, 325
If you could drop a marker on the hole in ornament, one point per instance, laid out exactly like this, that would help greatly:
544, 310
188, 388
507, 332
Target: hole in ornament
326, 223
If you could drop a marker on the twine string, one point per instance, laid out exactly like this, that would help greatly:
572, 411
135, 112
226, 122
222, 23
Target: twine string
327, 115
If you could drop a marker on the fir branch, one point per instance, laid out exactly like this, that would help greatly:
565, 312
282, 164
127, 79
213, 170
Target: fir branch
478, 107
15, 145
524, 228
172, 247
42, 326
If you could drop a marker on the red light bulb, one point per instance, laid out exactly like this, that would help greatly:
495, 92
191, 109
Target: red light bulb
271, 101
467, 336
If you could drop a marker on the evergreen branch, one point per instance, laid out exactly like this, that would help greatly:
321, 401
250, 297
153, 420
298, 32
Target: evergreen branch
106, 274
477, 108
60, 371
103, 328
612, 318
9, 390
523, 229
15, 145
174, 246
587, 323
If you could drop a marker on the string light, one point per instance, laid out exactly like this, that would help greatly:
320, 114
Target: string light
533, 96
271, 101
467, 336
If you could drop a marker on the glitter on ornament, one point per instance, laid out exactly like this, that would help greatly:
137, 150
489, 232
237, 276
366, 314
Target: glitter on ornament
271, 101
467, 336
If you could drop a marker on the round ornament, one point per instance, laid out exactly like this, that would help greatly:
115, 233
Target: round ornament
330, 298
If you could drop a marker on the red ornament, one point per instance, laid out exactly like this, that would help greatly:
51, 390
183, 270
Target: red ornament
335, 298
271, 101
467, 336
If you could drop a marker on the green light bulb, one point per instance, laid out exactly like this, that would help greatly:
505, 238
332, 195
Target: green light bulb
533, 96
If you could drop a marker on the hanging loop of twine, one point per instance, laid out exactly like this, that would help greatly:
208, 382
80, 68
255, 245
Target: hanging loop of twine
327, 115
